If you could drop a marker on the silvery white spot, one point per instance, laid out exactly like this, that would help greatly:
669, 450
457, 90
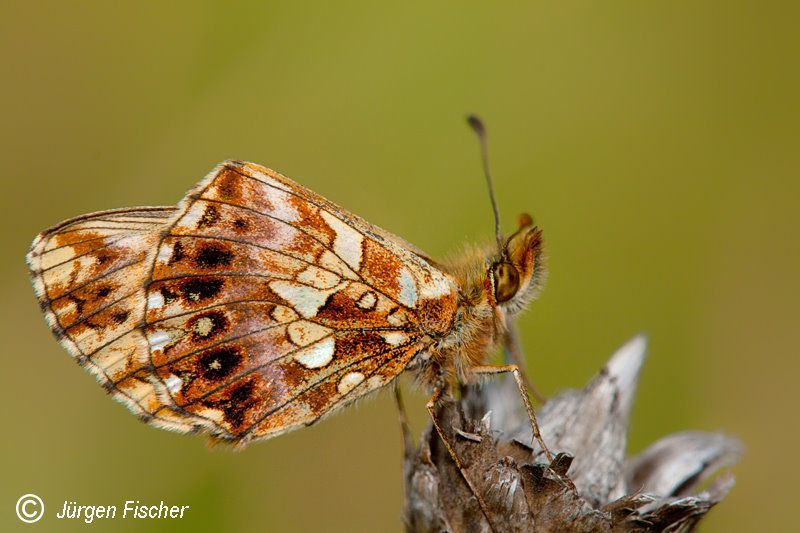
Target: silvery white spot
367, 300
395, 338
173, 383
306, 300
349, 382
440, 285
192, 216
303, 332
155, 300
158, 339
164, 253
348, 243
316, 355
408, 288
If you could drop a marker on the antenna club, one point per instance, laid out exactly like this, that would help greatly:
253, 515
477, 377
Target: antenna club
476, 124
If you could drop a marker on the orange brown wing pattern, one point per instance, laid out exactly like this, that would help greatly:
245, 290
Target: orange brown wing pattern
269, 306
90, 275
266, 307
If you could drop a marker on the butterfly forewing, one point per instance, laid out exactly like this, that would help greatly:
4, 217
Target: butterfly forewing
255, 307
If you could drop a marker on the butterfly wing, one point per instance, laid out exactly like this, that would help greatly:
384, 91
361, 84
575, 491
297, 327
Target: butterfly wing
90, 275
269, 306
266, 307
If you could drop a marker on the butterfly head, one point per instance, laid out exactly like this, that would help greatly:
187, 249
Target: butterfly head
516, 273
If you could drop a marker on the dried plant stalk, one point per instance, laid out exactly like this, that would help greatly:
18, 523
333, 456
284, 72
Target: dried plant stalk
589, 486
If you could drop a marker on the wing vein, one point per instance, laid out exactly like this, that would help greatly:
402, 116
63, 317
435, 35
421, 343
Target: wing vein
98, 310
97, 278
93, 250
317, 383
324, 246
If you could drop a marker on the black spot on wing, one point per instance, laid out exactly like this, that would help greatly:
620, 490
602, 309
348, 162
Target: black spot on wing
167, 294
198, 289
209, 218
213, 255
241, 397
120, 316
220, 362
240, 225
103, 257
177, 253
104, 291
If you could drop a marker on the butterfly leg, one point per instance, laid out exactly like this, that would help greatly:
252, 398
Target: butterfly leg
515, 371
431, 407
408, 441
513, 351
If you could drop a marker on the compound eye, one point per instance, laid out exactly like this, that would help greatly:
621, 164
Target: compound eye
506, 281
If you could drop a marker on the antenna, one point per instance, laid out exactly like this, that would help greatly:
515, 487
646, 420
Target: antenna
480, 131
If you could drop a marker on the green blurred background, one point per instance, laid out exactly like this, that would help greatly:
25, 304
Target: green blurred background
656, 144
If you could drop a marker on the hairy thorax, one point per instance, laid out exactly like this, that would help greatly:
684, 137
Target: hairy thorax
477, 327
493, 286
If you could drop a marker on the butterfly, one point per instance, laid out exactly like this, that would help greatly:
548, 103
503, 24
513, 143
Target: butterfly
256, 306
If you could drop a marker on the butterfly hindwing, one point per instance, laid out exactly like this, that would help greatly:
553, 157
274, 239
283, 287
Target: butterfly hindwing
254, 307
